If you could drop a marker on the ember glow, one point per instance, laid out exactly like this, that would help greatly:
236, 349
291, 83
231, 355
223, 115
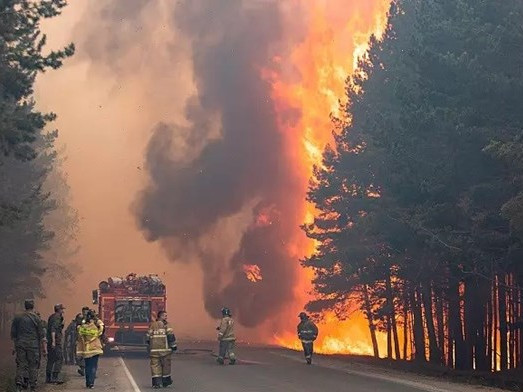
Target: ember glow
252, 272
337, 34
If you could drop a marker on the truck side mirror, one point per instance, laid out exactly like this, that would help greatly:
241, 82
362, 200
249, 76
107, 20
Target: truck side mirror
95, 297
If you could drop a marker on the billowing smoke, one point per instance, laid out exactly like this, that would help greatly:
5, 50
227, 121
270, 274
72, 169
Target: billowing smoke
243, 164
223, 188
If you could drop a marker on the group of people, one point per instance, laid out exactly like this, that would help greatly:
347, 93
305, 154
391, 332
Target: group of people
162, 343
33, 338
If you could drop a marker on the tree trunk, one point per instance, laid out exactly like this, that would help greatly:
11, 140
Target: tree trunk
372, 327
440, 319
512, 320
489, 329
503, 328
470, 327
495, 322
434, 351
419, 332
405, 329
476, 294
392, 316
456, 341
389, 337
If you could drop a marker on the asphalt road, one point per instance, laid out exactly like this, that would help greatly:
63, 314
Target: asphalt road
258, 369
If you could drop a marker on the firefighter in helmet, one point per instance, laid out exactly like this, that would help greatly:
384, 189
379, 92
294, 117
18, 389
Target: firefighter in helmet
307, 332
162, 343
226, 338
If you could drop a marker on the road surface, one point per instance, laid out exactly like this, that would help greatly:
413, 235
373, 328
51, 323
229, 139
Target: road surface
262, 369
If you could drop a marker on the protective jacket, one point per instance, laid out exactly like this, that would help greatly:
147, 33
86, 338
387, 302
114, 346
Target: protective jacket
89, 344
161, 339
307, 331
226, 329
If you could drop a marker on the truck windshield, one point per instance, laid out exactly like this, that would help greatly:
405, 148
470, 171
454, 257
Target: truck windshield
127, 311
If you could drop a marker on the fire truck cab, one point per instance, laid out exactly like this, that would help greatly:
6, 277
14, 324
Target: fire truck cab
127, 306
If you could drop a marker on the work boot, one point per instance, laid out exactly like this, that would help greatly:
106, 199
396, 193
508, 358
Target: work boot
220, 361
232, 361
166, 381
309, 361
81, 372
55, 379
157, 382
48, 378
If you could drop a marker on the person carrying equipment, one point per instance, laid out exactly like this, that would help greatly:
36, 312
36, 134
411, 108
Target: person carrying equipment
89, 347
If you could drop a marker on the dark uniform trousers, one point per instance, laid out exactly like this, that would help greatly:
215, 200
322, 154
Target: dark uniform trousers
55, 359
227, 349
308, 349
27, 364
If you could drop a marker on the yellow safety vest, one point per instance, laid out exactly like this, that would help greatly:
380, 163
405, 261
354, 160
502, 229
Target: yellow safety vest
88, 343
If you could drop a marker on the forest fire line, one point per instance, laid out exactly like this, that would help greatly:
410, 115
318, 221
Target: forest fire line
324, 59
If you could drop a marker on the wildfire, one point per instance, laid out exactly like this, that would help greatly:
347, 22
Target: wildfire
338, 32
252, 272
337, 337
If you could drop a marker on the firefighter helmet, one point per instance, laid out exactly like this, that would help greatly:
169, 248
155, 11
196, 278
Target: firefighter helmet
226, 311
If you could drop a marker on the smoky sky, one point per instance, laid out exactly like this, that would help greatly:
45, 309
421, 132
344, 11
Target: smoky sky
236, 155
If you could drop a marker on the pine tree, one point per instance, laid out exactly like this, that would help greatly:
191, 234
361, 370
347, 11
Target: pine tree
27, 153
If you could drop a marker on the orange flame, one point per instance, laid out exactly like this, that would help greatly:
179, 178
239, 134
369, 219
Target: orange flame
252, 272
338, 33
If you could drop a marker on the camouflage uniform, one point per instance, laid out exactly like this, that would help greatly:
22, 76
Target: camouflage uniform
55, 357
70, 344
28, 336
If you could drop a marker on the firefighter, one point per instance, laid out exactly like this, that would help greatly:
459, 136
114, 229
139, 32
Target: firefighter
307, 332
80, 320
55, 326
162, 343
28, 336
226, 338
89, 347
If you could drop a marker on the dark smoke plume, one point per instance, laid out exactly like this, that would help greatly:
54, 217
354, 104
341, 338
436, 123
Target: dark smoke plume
233, 154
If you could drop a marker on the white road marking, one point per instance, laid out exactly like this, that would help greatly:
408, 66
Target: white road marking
129, 376
419, 385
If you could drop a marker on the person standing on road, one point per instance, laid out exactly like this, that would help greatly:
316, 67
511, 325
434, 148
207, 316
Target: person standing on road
28, 337
162, 343
55, 327
70, 343
80, 320
89, 347
226, 338
307, 332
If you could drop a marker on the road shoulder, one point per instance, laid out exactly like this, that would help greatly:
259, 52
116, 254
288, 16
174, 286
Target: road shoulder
423, 383
111, 376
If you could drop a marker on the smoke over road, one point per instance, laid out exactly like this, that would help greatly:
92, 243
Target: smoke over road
241, 173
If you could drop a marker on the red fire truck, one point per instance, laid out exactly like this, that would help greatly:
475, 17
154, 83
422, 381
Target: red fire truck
127, 306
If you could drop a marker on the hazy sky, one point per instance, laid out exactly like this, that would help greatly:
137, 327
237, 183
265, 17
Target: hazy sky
105, 123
